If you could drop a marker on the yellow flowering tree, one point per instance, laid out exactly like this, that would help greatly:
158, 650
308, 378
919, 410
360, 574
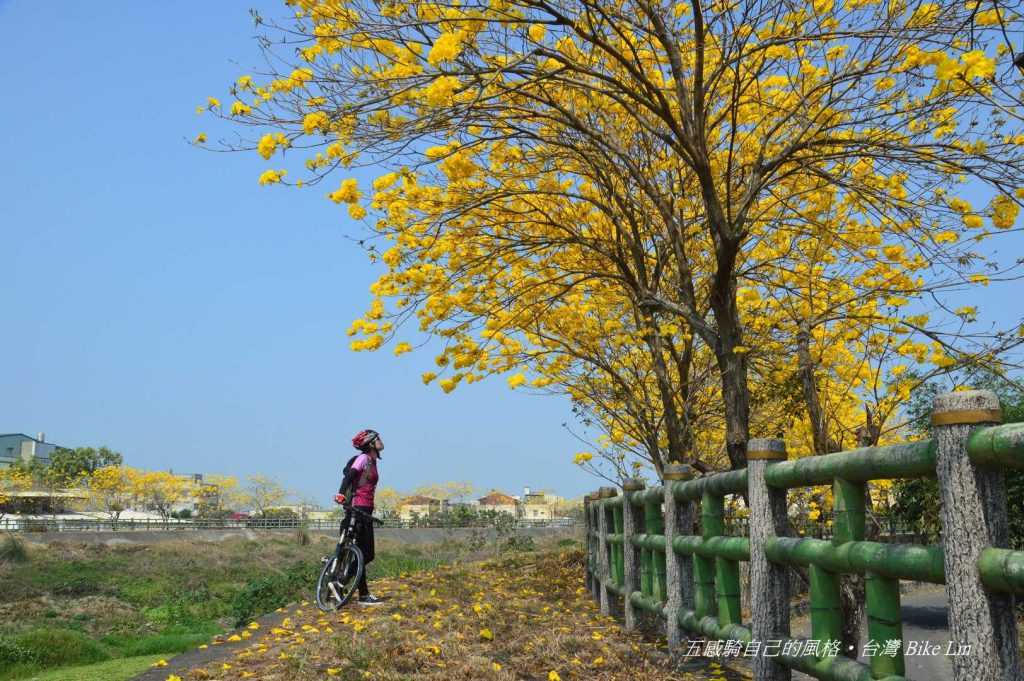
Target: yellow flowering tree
664, 159
112, 489
12, 481
162, 490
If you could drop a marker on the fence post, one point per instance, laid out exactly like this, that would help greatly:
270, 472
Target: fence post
595, 577
631, 524
973, 518
588, 544
678, 568
769, 582
604, 549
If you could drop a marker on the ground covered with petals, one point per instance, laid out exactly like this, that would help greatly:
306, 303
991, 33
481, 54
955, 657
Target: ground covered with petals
523, 617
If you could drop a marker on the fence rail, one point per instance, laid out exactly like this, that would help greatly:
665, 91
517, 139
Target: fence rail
15, 524
642, 559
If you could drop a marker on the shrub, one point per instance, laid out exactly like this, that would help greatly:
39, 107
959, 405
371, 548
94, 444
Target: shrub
62, 647
520, 543
13, 550
269, 593
12, 653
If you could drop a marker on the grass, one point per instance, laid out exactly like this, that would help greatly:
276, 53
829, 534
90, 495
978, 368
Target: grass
112, 670
65, 606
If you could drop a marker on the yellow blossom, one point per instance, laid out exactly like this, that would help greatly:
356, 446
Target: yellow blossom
272, 176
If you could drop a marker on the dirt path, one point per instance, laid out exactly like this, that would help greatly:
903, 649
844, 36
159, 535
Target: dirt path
218, 650
525, 618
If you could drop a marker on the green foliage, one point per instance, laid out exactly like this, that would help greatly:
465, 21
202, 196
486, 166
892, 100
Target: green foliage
917, 501
68, 465
61, 647
285, 513
394, 564
12, 550
12, 653
159, 644
273, 591
520, 543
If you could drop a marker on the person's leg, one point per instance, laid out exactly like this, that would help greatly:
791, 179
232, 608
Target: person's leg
364, 540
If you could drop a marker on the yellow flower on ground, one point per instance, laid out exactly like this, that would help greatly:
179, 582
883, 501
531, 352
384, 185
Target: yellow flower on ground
486, 634
254, 626
173, 677
160, 663
553, 676
495, 666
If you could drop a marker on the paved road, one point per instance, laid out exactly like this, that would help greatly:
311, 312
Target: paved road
925, 622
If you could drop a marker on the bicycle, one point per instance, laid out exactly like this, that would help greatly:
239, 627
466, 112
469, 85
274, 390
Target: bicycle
341, 572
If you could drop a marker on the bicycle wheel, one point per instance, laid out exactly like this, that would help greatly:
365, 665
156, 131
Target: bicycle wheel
339, 579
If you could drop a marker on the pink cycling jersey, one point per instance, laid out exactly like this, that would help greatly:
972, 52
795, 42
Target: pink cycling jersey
366, 482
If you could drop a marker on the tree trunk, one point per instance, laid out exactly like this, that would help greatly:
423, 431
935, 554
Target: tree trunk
732, 366
671, 414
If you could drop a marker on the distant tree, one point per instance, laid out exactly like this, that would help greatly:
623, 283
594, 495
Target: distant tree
261, 493
12, 480
917, 501
216, 495
446, 491
387, 500
67, 466
111, 490
162, 491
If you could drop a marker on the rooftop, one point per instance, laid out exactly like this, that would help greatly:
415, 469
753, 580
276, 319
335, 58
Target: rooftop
496, 498
418, 500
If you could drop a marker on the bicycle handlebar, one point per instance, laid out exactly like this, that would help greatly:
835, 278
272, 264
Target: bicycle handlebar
365, 514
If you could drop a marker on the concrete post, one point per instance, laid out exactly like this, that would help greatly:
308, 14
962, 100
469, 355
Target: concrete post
595, 562
631, 525
769, 582
588, 544
973, 518
604, 548
678, 568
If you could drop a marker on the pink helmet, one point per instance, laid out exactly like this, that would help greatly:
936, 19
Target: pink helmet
364, 438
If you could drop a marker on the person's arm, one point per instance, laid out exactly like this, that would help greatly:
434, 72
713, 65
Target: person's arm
353, 474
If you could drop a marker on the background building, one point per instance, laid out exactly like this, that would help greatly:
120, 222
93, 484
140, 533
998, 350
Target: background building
419, 505
536, 506
500, 502
20, 447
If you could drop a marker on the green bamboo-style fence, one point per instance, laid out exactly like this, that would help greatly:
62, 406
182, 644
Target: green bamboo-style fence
642, 558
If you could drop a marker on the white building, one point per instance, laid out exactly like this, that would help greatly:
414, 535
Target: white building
16, 447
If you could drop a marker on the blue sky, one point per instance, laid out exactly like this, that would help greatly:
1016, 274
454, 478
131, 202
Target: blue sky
157, 300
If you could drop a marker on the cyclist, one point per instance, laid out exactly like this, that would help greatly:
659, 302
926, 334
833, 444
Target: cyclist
360, 482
